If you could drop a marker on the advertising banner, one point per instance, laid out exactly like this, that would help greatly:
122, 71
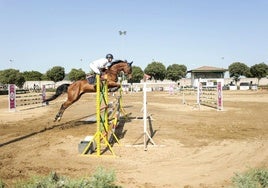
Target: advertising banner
12, 96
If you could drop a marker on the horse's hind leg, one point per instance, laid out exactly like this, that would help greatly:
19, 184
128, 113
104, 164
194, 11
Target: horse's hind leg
71, 99
62, 109
59, 114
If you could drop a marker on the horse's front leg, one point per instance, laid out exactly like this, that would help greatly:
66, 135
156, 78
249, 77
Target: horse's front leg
113, 86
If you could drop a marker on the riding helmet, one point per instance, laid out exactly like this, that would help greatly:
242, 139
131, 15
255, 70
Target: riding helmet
109, 56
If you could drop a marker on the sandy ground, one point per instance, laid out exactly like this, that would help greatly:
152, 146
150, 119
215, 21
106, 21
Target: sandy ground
194, 147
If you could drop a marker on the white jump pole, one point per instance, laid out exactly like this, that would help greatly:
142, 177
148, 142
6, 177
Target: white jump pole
199, 89
146, 134
198, 93
144, 114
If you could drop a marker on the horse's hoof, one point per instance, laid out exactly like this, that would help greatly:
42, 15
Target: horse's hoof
57, 119
45, 103
113, 89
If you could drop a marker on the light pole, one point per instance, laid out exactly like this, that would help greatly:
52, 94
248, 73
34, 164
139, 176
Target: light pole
122, 33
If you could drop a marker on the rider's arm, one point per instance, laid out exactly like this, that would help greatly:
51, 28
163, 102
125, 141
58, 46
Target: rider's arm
108, 64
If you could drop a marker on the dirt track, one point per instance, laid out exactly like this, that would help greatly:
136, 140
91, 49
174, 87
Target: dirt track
195, 148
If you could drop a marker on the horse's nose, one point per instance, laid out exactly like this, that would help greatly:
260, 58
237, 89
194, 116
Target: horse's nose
129, 76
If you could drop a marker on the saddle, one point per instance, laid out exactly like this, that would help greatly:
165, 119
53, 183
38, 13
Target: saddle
92, 78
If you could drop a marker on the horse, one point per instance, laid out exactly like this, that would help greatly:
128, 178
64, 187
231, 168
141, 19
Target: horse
77, 89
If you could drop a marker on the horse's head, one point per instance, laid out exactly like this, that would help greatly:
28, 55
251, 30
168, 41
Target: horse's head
128, 69
123, 66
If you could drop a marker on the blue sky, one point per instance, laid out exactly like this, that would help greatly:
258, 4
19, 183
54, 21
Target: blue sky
40, 34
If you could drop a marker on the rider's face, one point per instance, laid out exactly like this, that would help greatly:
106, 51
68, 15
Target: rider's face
110, 59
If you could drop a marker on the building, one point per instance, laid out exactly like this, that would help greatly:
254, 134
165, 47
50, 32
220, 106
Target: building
39, 84
207, 73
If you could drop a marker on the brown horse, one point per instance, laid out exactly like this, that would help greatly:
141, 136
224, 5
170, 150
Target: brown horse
78, 88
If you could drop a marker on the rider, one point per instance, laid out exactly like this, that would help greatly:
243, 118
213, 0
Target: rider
103, 63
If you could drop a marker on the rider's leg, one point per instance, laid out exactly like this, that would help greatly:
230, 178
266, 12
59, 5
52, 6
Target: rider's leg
94, 68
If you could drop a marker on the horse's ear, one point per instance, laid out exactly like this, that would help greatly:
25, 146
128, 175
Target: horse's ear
130, 63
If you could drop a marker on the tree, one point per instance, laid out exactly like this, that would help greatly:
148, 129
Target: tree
238, 69
32, 75
176, 72
56, 74
76, 74
156, 70
12, 76
137, 75
259, 71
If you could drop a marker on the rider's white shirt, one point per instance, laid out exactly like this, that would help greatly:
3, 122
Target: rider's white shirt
100, 63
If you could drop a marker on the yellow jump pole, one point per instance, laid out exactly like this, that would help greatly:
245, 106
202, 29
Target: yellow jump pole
97, 135
103, 132
105, 124
98, 114
105, 90
102, 129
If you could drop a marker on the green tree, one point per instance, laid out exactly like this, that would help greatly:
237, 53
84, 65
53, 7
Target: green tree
32, 75
137, 75
76, 74
56, 74
12, 76
259, 71
156, 70
238, 69
176, 72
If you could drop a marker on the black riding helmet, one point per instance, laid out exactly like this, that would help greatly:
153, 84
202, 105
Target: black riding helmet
109, 56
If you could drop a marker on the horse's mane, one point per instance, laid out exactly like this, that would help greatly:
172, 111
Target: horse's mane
118, 61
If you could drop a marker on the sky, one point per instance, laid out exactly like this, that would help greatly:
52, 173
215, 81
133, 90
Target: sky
36, 35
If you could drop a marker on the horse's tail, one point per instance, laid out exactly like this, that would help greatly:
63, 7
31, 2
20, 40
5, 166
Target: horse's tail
60, 90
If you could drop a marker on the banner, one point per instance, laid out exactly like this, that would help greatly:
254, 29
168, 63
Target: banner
12, 96
219, 89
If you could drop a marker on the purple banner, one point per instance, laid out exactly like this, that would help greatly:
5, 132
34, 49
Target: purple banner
12, 96
219, 88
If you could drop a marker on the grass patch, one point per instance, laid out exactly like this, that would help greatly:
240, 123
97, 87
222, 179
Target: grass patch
2, 184
101, 178
253, 178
